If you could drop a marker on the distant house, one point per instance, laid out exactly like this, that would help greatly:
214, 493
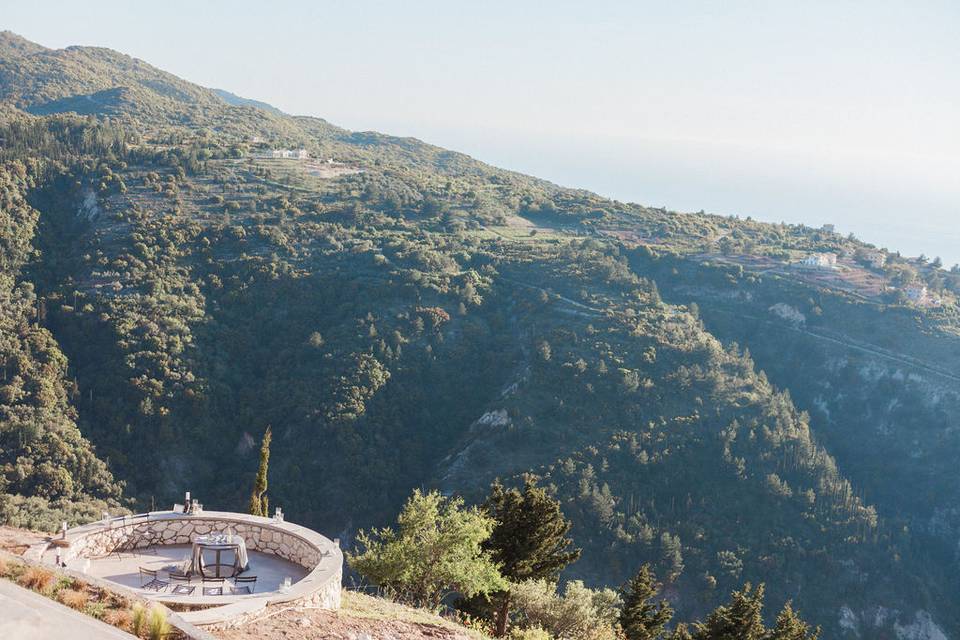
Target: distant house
820, 260
877, 259
916, 292
829, 228
294, 154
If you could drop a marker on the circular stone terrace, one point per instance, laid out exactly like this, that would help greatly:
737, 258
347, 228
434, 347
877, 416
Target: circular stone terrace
115, 550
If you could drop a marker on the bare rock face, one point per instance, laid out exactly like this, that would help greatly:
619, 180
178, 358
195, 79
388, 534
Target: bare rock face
496, 418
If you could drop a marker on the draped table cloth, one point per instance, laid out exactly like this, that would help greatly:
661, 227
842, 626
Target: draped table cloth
218, 544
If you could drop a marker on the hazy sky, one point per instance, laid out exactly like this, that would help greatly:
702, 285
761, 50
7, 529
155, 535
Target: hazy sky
844, 112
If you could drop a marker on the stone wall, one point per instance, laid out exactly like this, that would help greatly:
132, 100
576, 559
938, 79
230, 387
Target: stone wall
147, 533
321, 558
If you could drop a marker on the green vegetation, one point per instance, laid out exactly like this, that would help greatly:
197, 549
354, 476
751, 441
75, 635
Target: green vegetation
420, 319
435, 552
528, 541
639, 618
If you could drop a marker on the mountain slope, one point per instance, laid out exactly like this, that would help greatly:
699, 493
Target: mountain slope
406, 316
234, 99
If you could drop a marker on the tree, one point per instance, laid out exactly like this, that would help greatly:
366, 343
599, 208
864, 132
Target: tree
259, 503
639, 618
681, 632
742, 619
529, 540
435, 552
578, 614
790, 627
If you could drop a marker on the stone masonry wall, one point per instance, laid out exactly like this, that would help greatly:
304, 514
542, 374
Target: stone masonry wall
181, 531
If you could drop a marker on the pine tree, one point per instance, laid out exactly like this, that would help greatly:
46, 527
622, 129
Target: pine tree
790, 627
529, 540
742, 619
259, 503
639, 618
681, 632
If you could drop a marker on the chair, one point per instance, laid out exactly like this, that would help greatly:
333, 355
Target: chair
122, 546
243, 584
181, 589
150, 581
216, 590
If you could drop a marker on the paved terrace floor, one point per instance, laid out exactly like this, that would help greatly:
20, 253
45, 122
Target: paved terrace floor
269, 569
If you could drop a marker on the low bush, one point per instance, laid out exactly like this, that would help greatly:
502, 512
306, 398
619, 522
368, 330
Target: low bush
120, 618
533, 633
37, 579
74, 599
95, 610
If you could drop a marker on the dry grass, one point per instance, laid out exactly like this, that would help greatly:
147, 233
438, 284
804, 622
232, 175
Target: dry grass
38, 579
361, 605
120, 618
138, 619
3, 567
74, 599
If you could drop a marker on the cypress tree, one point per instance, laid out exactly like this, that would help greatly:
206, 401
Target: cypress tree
640, 619
259, 503
529, 540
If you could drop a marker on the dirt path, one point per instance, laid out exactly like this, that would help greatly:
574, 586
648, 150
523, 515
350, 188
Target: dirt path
871, 349
17, 541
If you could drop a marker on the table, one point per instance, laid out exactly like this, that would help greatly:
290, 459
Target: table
218, 544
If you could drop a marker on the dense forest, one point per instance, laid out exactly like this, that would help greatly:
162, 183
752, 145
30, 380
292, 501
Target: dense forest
403, 316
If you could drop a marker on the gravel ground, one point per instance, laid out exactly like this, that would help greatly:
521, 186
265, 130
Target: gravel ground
361, 618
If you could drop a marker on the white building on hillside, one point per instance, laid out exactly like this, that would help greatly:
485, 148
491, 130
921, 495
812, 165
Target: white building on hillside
293, 154
820, 260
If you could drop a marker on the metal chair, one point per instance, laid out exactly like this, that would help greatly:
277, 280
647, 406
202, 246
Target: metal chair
181, 589
243, 585
150, 581
216, 590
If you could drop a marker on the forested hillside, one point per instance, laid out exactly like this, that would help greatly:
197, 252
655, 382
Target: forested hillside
404, 316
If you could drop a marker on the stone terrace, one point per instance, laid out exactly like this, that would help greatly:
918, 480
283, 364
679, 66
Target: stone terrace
116, 548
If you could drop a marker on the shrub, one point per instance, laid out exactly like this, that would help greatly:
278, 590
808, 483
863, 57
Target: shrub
533, 633
579, 614
37, 579
95, 610
120, 618
65, 582
157, 625
138, 620
74, 599
436, 551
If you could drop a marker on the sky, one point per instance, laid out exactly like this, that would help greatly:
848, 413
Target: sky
837, 112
